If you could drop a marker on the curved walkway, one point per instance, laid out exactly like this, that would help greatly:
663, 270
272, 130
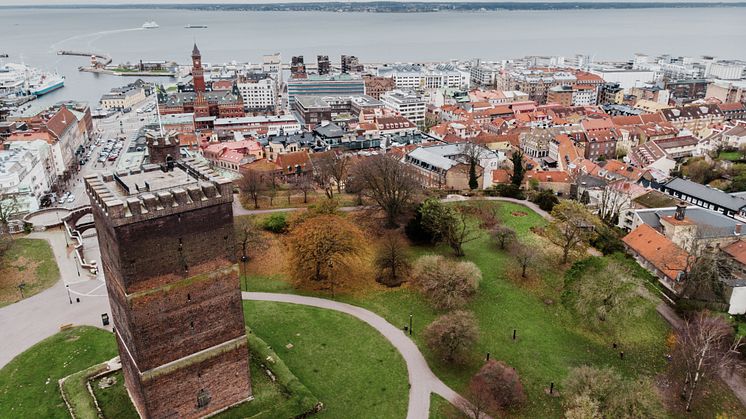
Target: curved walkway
422, 381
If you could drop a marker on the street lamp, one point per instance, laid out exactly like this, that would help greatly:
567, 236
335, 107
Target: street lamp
245, 259
410, 324
67, 286
77, 262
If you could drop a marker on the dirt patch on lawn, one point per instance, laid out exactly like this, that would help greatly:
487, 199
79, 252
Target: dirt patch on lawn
518, 214
15, 272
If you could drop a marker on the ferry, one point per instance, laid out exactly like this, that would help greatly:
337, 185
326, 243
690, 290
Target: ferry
46, 83
150, 25
196, 26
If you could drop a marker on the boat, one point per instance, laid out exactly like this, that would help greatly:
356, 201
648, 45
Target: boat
150, 25
12, 79
196, 26
45, 83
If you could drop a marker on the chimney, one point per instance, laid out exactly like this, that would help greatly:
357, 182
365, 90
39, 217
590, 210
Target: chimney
680, 211
738, 229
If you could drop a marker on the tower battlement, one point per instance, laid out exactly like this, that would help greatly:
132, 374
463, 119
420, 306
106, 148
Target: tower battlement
156, 191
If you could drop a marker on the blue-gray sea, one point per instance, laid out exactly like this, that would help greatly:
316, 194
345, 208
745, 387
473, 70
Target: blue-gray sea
34, 36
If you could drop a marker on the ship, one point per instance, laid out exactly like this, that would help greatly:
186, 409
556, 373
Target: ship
150, 25
196, 26
22, 80
45, 83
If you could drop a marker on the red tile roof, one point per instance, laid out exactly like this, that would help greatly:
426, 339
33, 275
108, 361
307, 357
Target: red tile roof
658, 250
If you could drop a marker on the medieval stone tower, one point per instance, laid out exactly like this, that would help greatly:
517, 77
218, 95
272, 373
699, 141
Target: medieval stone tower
162, 149
166, 239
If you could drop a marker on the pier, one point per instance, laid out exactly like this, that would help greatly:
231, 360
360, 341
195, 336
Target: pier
103, 59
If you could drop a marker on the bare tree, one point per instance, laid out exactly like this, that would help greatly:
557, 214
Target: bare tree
613, 199
472, 154
446, 284
388, 182
524, 255
392, 260
572, 228
303, 184
252, 184
331, 170
503, 235
451, 335
9, 206
705, 345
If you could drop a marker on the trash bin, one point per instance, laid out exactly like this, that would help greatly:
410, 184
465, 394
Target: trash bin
105, 319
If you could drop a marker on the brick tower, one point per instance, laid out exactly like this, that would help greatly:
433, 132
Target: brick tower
162, 148
166, 239
198, 73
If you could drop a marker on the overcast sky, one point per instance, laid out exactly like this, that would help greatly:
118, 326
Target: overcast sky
36, 2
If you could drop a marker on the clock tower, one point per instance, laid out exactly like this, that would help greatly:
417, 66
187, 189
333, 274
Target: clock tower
198, 73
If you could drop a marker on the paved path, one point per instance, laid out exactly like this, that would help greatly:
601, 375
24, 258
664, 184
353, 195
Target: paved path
421, 379
25, 323
238, 209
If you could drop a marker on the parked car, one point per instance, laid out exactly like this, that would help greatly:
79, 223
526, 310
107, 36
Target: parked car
70, 199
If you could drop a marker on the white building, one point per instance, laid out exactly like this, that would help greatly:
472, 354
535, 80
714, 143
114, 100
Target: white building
415, 76
727, 70
26, 170
123, 97
258, 94
627, 79
406, 104
484, 73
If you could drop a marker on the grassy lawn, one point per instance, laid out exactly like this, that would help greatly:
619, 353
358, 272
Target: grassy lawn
280, 200
550, 340
348, 365
28, 384
28, 261
730, 155
441, 408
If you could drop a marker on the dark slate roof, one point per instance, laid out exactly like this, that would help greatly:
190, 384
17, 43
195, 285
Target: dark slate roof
705, 193
329, 131
220, 97
709, 223
303, 139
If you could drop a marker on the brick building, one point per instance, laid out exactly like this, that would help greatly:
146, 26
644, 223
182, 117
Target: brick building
167, 250
202, 103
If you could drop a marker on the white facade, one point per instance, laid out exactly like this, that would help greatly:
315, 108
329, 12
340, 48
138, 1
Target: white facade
627, 79
727, 70
406, 104
413, 76
737, 303
258, 95
24, 169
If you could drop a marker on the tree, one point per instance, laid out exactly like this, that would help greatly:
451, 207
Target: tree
332, 169
607, 240
252, 184
9, 206
473, 155
448, 224
606, 293
524, 256
704, 346
602, 393
614, 198
392, 260
416, 231
321, 245
503, 235
446, 284
451, 335
498, 387
303, 184
572, 228
248, 238
545, 199
705, 271
388, 182
519, 170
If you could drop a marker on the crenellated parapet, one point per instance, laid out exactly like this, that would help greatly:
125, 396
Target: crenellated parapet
155, 191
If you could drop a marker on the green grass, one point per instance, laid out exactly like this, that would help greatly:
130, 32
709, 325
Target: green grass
114, 401
14, 269
730, 155
441, 408
76, 392
550, 340
28, 384
348, 365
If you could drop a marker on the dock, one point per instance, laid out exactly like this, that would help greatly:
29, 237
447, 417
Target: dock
103, 59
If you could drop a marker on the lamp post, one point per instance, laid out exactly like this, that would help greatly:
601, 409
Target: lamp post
245, 259
67, 286
410, 324
77, 262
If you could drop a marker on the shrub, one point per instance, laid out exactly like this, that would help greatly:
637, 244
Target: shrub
503, 235
446, 284
451, 335
392, 260
276, 223
546, 200
509, 191
416, 231
497, 387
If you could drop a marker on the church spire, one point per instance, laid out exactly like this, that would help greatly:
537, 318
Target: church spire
195, 51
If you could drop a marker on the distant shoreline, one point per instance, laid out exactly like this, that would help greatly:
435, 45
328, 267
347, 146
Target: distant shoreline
393, 7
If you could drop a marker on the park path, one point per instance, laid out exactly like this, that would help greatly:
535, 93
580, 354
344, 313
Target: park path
422, 381
29, 321
238, 209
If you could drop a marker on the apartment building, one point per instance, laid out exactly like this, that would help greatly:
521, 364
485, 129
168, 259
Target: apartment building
406, 104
